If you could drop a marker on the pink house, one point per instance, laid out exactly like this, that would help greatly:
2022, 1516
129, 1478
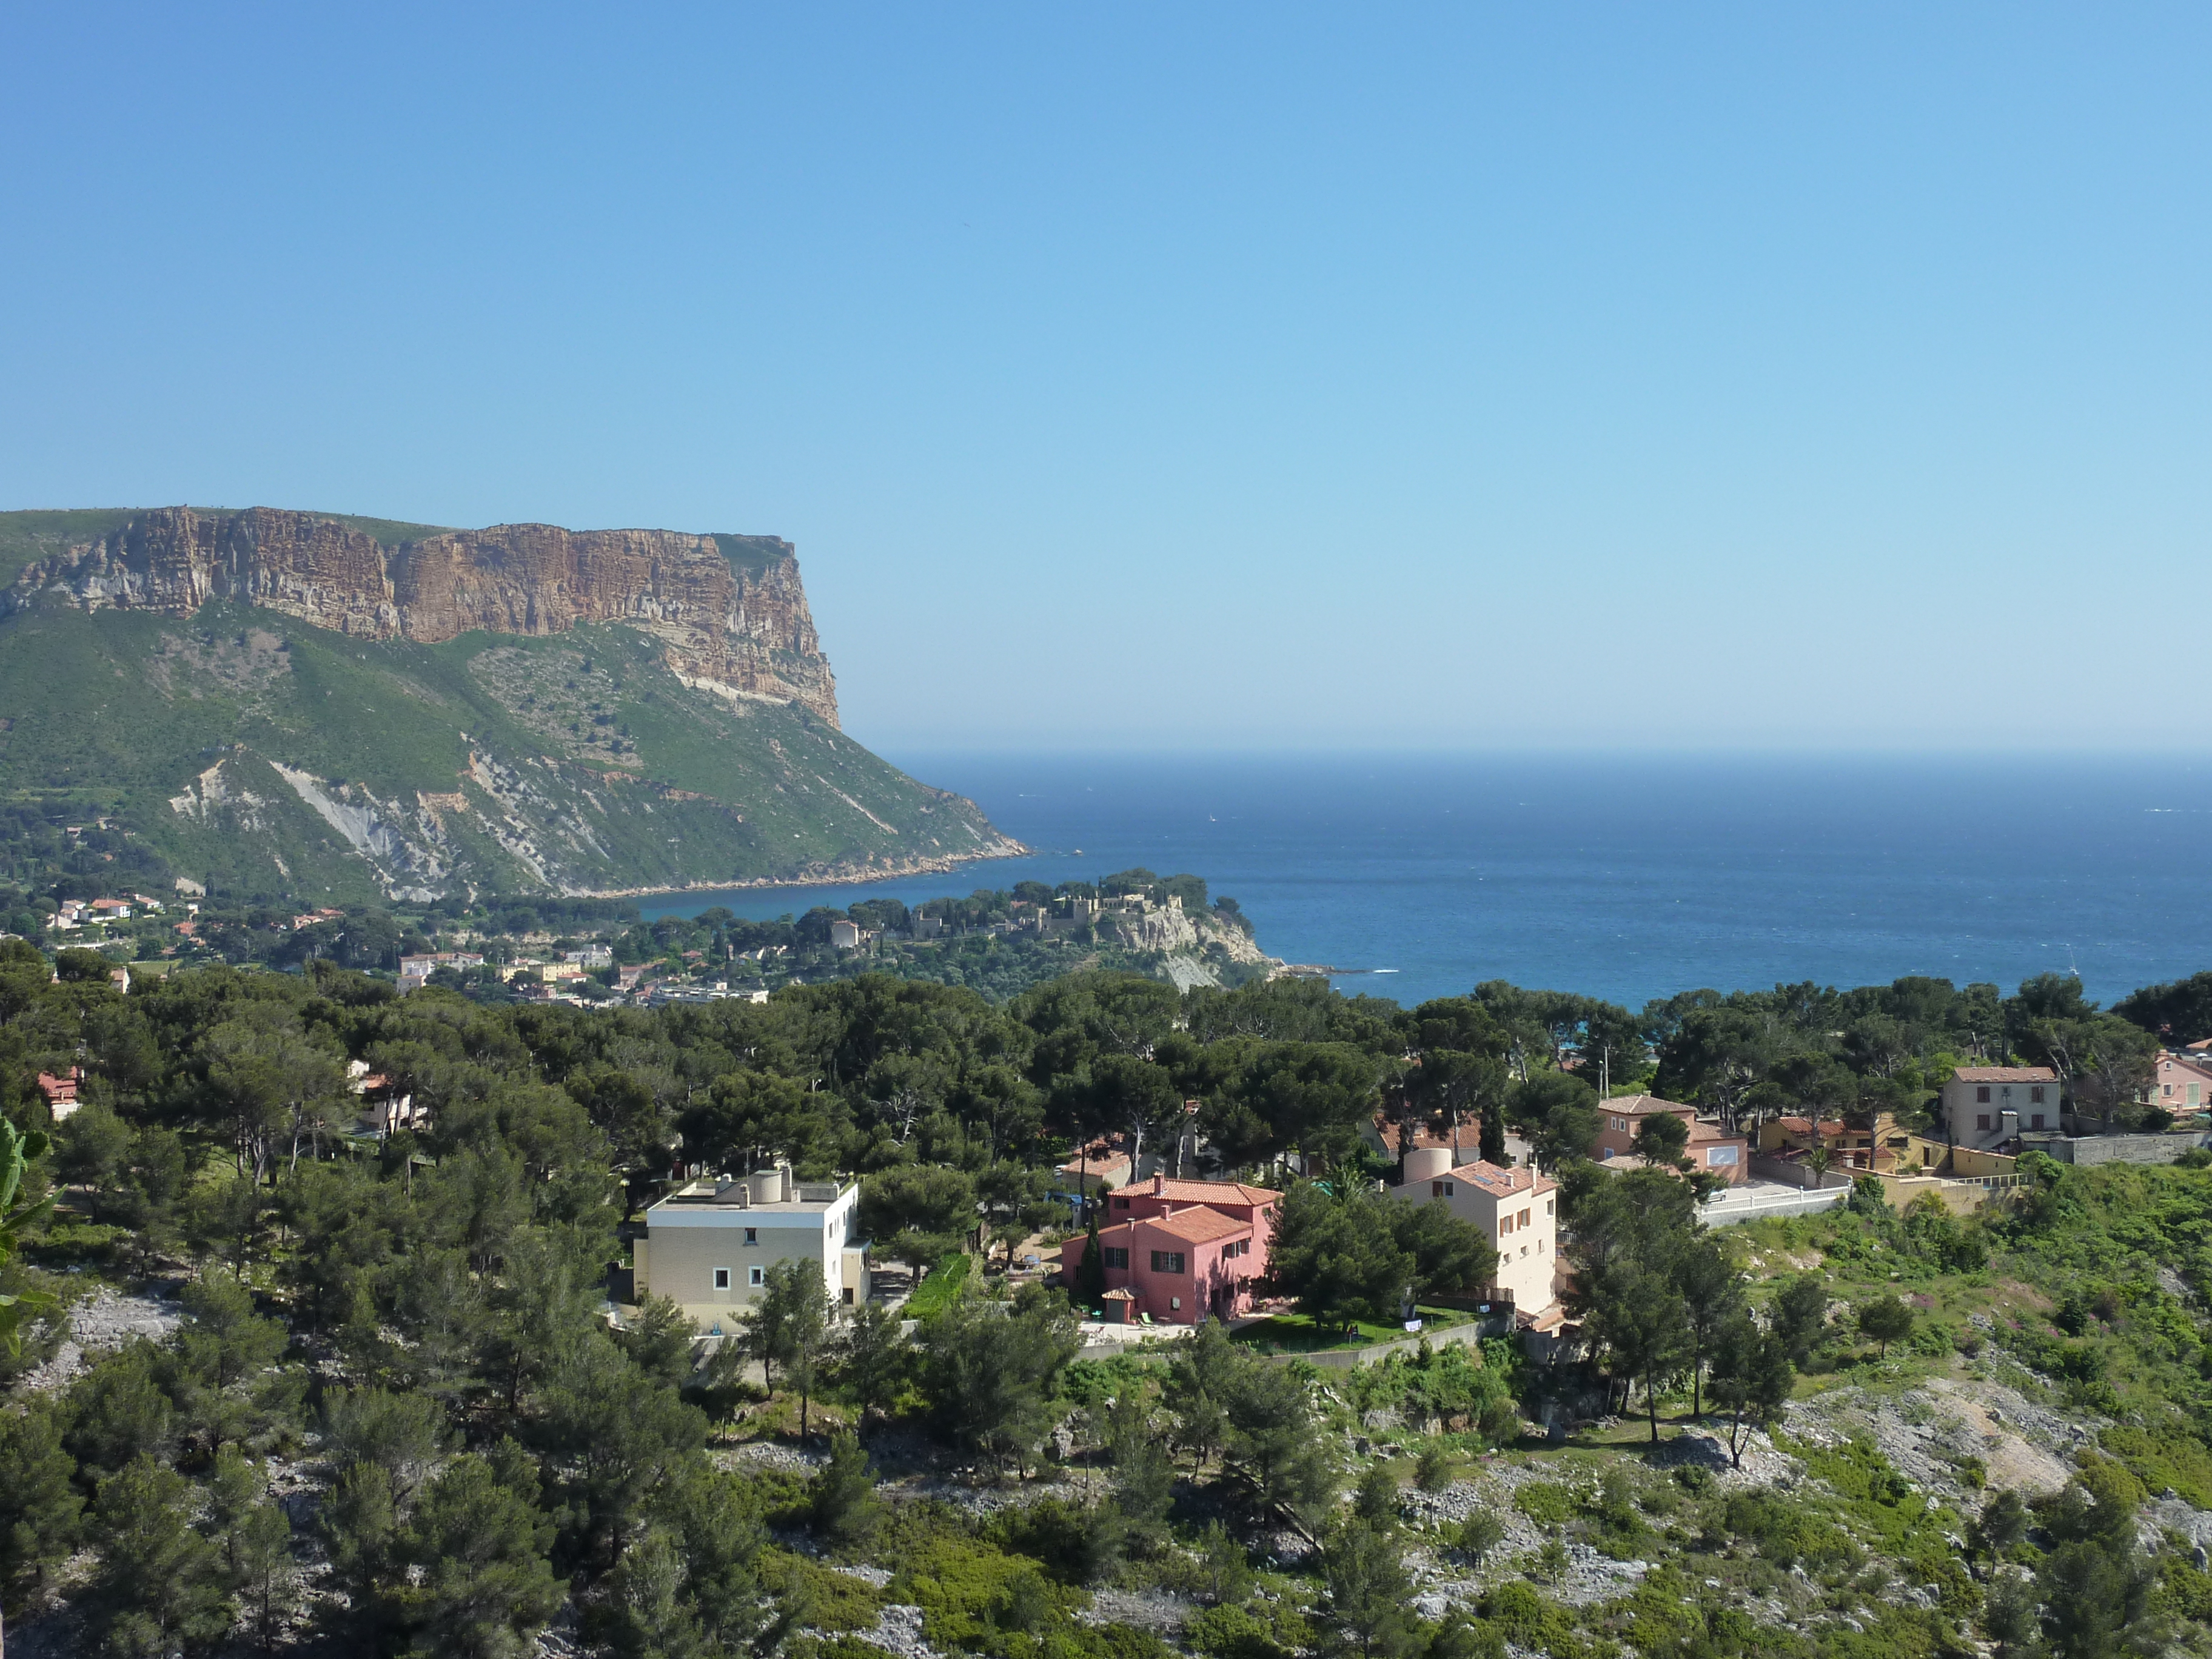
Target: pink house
2183, 1084
1182, 1250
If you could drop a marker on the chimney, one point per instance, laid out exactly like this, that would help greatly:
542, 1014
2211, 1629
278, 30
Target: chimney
1159, 1183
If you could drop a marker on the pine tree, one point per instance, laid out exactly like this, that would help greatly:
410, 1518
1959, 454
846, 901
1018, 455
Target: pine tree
1368, 1590
254, 1539
486, 1586
39, 1512
842, 1499
873, 1360
160, 1582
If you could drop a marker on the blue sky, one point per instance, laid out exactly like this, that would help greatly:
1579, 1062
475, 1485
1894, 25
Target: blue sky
1490, 377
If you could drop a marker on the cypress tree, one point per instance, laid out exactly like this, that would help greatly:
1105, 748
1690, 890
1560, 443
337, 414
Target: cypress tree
1090, 1272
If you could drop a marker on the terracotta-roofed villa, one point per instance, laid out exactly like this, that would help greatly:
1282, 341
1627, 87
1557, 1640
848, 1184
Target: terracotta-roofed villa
1182, 1250
1516, 1208
1985, 1106
60, 1093
1711, 1148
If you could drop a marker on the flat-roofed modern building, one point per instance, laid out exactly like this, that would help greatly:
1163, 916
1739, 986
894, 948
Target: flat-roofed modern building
709, 1246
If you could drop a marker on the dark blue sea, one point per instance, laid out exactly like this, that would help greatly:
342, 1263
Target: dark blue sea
1416, 875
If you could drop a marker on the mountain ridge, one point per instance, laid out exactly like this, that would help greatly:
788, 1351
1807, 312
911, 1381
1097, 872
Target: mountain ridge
730, 611
290, 703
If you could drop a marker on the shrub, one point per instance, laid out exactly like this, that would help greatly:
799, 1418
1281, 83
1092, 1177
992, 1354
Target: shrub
1547, 1503
939, 1290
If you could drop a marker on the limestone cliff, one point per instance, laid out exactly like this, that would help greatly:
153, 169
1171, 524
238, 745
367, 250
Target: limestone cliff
728, 611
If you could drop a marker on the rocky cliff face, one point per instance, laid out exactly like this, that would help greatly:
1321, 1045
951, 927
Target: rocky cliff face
729, 610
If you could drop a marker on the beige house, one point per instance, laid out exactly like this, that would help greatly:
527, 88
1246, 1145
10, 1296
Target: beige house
1986, 1106
710, 1245
1710, 1148
1516, 1208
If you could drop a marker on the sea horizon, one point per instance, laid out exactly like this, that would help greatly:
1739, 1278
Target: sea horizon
1419, 873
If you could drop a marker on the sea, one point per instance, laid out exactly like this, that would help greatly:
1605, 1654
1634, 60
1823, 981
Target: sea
1412, 875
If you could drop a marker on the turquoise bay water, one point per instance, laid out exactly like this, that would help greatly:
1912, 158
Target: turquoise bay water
1626, 878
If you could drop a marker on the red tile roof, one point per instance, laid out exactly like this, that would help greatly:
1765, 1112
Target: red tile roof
1640, 1105
1502, 1183
2003, 1074
1196, 1225
1200, 1192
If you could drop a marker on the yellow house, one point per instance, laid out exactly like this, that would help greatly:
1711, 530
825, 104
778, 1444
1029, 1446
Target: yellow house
1516, 1208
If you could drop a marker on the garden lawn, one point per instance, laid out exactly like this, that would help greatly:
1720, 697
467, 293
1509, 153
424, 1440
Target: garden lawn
1297, 1333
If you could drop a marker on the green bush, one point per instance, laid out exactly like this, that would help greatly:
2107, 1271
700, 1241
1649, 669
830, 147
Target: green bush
939, 1290
835, 1601
1232, 1633
1526, 1619
1547, 1503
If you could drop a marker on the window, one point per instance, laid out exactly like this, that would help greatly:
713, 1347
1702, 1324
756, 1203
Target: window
1720, 1155
756, 1276
2036, 1121
1116, 1256
2165, 1088
1437, 1188
1547, 1206
2035, 1095
1167, 1261
1524, 1218
1540, 1247
753, 1234
848, 1295
721, 1278
1120, 1203
1981, 1120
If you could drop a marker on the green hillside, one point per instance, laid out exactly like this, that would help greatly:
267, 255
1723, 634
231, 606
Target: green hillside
261, 756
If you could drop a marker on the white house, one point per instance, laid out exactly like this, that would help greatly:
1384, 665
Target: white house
709, 1245
415, 971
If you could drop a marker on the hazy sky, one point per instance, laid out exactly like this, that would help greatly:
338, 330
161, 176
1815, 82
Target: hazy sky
1489, 376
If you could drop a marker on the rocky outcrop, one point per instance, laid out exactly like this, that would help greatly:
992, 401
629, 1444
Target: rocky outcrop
729, 610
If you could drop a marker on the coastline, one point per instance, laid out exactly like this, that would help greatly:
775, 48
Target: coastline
823, 875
